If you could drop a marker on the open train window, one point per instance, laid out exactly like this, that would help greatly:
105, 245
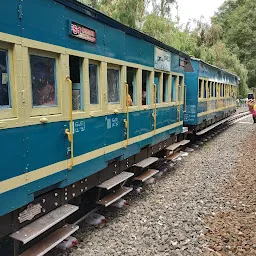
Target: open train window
113, 80
209, 89
200, 84
165, 87
212, 89
173, 92
5, 100
180, 88
157, 81
145, 87
222, 90
94, 82
216, 89
75, 64
205, 88
131, 81
43, 79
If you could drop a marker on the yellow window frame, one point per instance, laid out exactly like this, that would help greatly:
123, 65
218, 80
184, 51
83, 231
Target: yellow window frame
44, 110
14, 81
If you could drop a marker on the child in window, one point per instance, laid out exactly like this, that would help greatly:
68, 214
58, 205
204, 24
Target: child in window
252, 109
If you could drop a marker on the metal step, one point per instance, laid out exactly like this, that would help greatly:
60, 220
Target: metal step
110, 199
51, 241
108, 184
39, 226
146, 175
174, 157
177, 145
146, 162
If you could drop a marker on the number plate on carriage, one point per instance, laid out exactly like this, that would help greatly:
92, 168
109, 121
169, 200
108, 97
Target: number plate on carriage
30, 212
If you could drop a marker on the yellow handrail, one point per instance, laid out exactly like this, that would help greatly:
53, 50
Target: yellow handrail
69, 131
126, 121
154, 114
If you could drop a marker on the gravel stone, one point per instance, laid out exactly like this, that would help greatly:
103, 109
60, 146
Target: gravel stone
189, 210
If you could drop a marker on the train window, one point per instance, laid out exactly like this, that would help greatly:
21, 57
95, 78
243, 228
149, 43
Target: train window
93, 80
216, 89
145, 87
131, 81
43, 81
113, 79
180, 88
205, 89
212, 89
157, 81
173, 93
75, 64
4, 82
209, 89
165, 87
200, 84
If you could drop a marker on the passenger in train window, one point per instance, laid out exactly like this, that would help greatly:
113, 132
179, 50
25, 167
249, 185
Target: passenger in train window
144, 97
43, 80
130, 102
4, 77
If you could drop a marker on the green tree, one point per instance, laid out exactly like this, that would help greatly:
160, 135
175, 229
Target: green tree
238, 19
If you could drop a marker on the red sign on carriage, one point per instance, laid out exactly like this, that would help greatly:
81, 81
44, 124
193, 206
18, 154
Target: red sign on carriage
83, 32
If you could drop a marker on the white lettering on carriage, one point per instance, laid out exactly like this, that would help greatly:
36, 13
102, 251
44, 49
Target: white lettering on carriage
78, 126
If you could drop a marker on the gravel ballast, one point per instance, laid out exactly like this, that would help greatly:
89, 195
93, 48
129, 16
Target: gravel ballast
188, 211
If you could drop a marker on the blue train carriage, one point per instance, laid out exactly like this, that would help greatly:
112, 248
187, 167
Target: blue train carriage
67, 123
211, 95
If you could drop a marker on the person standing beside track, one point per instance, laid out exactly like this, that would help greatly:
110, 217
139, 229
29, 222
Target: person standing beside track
252, 109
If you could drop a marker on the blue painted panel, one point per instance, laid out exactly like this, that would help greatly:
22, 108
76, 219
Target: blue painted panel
115, 132
134, 124
146, 125
12, 157
163, 116
10, 22
89, 134
114, 43
139, 51
46, 145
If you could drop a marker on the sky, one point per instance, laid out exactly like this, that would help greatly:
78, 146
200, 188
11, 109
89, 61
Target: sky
194, 9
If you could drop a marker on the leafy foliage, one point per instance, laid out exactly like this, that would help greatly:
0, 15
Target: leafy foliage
238, 19
221, 44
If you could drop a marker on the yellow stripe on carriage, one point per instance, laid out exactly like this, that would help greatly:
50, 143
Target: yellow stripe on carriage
46, 171
214, 110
